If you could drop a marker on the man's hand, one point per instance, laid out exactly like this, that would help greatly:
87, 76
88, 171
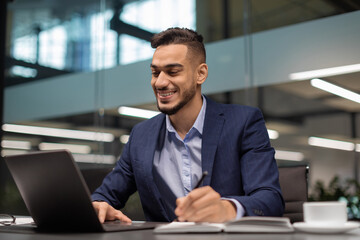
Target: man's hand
107, 212
204, 205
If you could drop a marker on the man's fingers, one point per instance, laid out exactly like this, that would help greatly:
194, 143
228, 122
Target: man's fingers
201, 215
114, 214
107, 212
198, 197
122, 217
204, 204
101, 209
208, 200
184, 202
180, 205
102, 214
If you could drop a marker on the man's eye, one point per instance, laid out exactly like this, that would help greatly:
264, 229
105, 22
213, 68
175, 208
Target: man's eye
172, 73
155, 74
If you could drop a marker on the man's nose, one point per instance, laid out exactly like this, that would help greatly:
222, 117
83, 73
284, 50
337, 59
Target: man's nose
161, 80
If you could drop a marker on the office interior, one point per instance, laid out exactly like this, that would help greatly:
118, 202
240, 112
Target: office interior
72, 66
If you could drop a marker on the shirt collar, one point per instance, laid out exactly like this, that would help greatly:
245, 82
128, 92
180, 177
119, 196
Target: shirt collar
199, 122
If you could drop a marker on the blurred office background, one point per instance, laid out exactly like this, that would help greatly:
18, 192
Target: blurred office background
71, 65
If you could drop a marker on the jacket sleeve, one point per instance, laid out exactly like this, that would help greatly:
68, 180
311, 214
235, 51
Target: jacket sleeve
119, 184
259, 171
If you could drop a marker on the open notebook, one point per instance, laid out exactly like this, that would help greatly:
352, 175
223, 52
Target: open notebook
245, 224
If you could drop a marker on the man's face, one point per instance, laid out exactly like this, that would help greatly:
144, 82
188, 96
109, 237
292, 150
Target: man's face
173, 78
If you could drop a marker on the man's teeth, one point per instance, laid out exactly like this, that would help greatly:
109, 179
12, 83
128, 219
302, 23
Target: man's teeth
166, 94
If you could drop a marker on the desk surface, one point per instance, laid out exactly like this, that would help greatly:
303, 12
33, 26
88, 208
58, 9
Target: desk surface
149, 235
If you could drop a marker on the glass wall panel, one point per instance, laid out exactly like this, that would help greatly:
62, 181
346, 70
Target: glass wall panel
314, 125
49, 43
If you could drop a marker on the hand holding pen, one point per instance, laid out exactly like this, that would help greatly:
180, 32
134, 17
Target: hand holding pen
204, 205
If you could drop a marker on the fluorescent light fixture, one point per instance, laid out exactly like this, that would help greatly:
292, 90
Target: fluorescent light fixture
94, 158
25, 145
137, 112
23, 71
325, 72
9, 152
58, 132
273, 134
124, 138
358, 147
330, 143
334, 89
74, 148
289, 155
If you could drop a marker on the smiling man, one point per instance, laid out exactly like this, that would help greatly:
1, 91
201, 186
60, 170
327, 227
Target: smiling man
176, 81
166, 155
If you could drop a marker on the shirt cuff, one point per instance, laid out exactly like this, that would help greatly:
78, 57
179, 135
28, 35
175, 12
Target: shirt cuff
240, 211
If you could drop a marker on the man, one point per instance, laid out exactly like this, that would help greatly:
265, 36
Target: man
166, 155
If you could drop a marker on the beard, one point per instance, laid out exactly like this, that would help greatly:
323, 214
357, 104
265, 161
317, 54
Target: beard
188, 96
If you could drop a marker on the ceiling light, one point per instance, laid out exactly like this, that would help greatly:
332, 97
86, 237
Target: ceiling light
334, 89
8, 152
58, 132
74, 148
94, 158
24, 72
273, 134
289, 155
330, 143
25, 145
137, 112
124, 138
325, 72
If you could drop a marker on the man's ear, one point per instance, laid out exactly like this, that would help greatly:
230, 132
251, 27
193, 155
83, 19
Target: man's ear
202, 73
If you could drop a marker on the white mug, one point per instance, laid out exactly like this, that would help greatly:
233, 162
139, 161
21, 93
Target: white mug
325, 213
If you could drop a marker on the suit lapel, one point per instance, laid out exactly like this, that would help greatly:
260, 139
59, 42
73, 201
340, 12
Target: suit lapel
152, 141
150, 144
213, 124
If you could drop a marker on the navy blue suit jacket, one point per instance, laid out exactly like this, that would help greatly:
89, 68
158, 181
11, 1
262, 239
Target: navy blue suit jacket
236, 152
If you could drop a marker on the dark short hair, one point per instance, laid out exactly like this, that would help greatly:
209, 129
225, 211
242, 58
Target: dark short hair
185, 36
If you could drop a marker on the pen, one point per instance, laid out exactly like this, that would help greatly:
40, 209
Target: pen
204, 174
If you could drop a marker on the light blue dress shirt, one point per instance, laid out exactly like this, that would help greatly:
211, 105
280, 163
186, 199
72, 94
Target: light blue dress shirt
179, 161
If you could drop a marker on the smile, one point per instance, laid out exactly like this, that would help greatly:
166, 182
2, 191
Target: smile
165, 93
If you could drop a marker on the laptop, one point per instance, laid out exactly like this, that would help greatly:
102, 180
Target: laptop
56, 195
